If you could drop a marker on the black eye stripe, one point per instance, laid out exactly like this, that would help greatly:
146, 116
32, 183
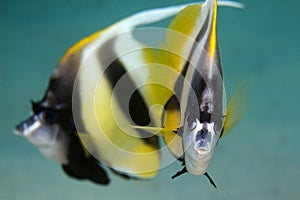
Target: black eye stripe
205, 117
190, 119
50, 117
36, 107
47, 114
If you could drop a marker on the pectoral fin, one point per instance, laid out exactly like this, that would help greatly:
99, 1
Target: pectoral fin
235, 109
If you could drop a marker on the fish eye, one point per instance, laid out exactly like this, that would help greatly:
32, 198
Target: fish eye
48, 117
191, 121
192, 126
217, 129
217, 126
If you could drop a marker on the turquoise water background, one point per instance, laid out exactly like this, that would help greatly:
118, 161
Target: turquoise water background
259, 160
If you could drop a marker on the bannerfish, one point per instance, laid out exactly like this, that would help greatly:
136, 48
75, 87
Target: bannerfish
196, 108
60, 133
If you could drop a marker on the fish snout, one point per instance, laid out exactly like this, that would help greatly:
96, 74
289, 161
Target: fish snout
203, 141
21, 128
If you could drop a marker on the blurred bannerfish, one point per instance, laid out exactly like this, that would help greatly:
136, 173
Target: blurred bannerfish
52, 129
196, 108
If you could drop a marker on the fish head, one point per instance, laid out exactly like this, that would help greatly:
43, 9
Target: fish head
199, 141
43, 128
38, 131
46, 134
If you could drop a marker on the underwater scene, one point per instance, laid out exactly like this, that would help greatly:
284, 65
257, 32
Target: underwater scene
257, 156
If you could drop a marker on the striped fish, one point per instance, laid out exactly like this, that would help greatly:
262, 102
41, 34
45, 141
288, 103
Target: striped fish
196, 108
67, 112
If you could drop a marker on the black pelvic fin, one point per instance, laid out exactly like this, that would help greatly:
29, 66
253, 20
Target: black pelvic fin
92, 171
179, 173
210, 179
83, 166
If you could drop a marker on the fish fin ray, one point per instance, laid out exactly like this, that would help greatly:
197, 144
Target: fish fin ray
235, 109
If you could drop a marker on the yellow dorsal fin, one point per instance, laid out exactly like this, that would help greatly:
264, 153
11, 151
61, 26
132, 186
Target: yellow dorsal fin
186, 19
164, 61
180, 32
81, 44
187, 24
213, 38
235, 109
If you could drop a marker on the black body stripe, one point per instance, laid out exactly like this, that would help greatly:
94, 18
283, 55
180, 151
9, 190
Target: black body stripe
137, 107
203, 29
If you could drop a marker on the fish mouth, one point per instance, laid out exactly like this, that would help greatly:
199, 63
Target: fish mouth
37, 132
203, 147
203, 139
18, 130
22, 128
